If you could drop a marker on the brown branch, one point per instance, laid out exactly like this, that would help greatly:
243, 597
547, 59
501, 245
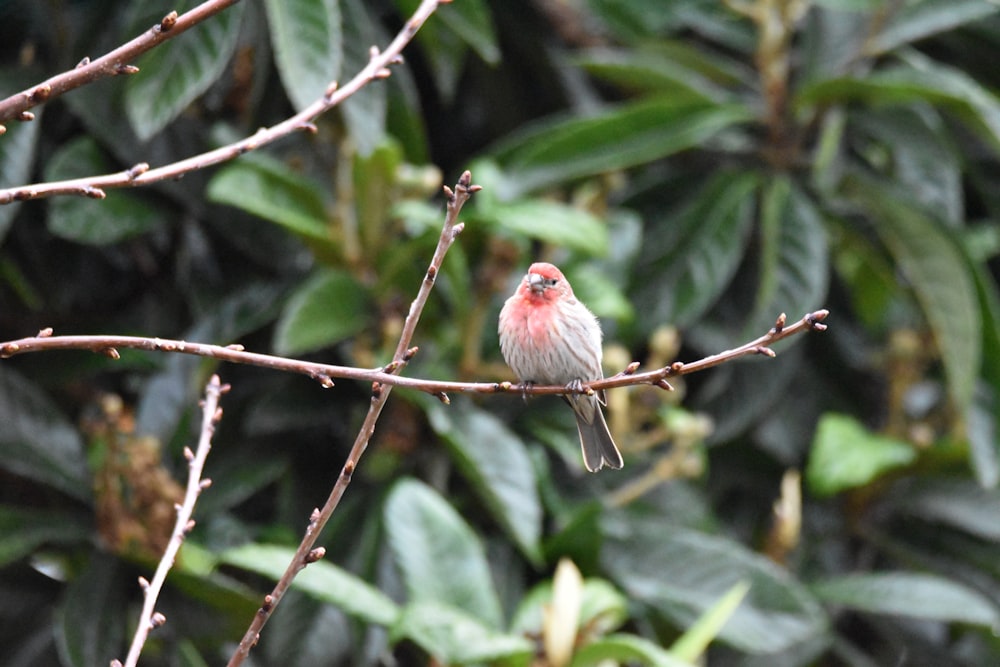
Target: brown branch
150, 618
141, 174
324, 373
113, 63
305, 553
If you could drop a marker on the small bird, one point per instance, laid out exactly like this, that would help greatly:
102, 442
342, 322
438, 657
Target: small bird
548, 337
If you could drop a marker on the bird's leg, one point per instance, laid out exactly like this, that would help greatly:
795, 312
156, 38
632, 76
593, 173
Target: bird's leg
525, 386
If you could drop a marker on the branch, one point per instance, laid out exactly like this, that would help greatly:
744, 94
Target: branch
150, 618
387, 375
141, 174
113, 63
306, 554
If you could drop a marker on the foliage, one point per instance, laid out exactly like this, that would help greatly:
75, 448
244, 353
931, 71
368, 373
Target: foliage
698, 164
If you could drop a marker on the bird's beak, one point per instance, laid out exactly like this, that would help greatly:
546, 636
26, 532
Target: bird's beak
535, 282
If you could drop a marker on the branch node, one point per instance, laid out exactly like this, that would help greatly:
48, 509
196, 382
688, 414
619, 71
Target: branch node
631, 368
41, 93
376, 390
309, 128
410, 353
83, 63
314, 517
157, 620
122, 68
168, 21
188, 454
663, 384
111, 353
45, 333
443, 397
9, 350
504, 386
94, 193
676, 368
383, 73
765, 350
25, 116
448, 192
143, 584
814, 320
137, 170
3, 131
205, 483
189, 526
330, 90
779, 325
236, 347
431, 274
268, 604
456, 230
373, 52
314, 555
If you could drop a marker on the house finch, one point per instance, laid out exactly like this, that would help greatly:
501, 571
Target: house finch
548, 337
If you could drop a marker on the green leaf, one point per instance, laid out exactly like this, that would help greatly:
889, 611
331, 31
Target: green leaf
308, 46
495, 461
661, 69
555, 151
550, 222
684, 573
328, 308
625, 649
794, 257
24, 530
921, 596
471, 20
692, 644
924, 18
956, 503
938, 273
439, 558
90, 621
17, 158
321, 580
364, 112
453, 637
175, 73
99, 222
846, 455
37, 440
603, 608
270, 190
686, 270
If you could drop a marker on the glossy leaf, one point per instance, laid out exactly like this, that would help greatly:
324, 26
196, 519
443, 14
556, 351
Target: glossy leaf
551, 222
653, 72
683, 573
24, 530
308, 46
322, 580
625, 136
17, 157
956, 503
921, 596
268, 189
625, 649
603, 608
86, 638
328, 308
454, 637
178, 71
923, 18
99, 222
37, 440
440, 559
846, 455
364, 112
696, 639
496, 463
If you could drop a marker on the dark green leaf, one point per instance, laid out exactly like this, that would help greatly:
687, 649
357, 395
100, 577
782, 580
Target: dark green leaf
439, 557
923, 18
364, 112
698, 252
559, 150
322, 580
17, 157
957, 503
175, 73
666, 68
101, 222
551, 222
330, 307
25, 530
270, 190
625, 649
845, 455
308, 46
471, 20
683, 573
939, 275
920, 596
496, 463
37, 441
90, 622
455, 637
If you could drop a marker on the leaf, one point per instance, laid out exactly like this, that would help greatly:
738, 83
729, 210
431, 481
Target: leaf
270, 190
956, 503
683, 574
17, 158
495, 461
90, 621
550, 222
471, 20
981, 430
177, 72
37, 440
439, 558
845, 455
24, 530
661, 69
321, 580
364, 112
693, 643
921, 596
122, 215
555, 151
453, 637
328, 308
625, 649
691, 264
794, 257
308, 46
924, 18
938, 273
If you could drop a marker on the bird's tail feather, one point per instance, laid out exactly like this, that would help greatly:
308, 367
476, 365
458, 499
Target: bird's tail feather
599, 448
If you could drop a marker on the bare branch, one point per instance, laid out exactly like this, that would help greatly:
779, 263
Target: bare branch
378, 67
113, 63
150, 618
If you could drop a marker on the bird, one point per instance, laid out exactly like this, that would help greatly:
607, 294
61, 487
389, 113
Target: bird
547, 336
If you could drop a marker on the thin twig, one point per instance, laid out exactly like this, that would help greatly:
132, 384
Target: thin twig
141, 174
305, 553
386, 376
150, 618
113, 63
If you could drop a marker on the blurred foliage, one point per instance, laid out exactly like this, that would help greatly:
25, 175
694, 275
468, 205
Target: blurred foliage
696, 167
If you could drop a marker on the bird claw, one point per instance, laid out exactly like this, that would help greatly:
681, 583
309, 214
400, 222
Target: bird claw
525, 386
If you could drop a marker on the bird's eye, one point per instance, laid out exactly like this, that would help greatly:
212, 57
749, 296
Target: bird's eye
551, 282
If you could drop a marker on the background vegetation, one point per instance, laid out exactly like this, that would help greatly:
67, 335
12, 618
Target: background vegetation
696, 167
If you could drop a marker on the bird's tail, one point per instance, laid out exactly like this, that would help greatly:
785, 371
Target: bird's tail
599, 448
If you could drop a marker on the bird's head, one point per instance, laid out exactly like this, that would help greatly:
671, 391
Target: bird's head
546, 282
